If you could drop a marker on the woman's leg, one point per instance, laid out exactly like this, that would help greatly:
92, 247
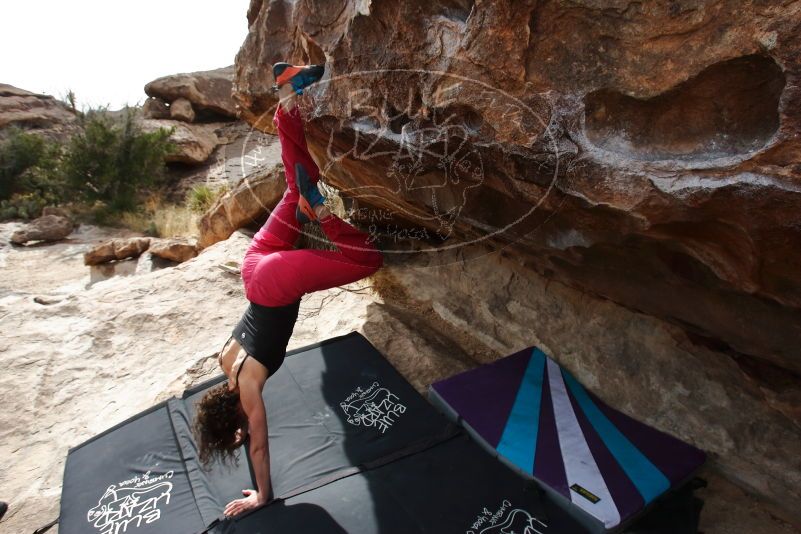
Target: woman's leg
281, 230
293, 144
285, 276
279, 233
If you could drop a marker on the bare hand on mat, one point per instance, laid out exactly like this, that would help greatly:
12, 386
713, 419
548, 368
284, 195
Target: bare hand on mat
250, 502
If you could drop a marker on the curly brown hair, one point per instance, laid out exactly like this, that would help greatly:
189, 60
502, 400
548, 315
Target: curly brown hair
217, 421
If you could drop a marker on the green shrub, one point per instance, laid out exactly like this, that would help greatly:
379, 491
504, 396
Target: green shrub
110, 166
30, 174
22, 206
200, 198
115, 163
20, 155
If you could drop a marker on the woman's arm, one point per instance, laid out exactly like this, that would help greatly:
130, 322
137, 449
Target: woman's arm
253, 405
259, 444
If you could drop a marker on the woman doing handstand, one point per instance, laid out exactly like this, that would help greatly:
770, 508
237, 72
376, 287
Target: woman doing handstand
275, 276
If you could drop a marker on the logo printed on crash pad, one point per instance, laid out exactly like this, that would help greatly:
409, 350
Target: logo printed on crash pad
584, 492
131, 503
506, 520
374, 406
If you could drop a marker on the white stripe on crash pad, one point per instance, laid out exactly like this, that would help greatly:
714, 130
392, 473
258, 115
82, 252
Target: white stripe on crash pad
580, 466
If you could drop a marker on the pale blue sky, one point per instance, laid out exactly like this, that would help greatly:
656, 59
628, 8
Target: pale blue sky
106, 51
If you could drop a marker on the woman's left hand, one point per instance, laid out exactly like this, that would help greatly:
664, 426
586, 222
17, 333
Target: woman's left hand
249, 502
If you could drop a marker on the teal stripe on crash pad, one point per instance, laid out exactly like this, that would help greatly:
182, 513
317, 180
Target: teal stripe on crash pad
519, 439
647, 478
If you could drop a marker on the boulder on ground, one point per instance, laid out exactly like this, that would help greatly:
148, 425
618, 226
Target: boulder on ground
155, 108
116, 249
248, 202
208, 90
174, 249
45, 228
195, 141
181, 110
36, 112
647, 153
57, 210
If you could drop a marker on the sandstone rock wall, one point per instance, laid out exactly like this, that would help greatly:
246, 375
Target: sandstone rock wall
644, 153
36, 112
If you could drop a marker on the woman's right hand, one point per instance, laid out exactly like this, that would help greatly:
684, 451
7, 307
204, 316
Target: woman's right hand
249, 502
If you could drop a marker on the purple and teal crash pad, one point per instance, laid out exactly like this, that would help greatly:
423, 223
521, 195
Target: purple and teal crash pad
604, 466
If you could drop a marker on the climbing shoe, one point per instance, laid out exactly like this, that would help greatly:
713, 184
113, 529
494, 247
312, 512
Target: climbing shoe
3, 509
298, 75
310, 196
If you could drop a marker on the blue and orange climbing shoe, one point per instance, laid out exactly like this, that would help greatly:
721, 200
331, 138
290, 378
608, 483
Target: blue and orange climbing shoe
299, 76
310, 196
